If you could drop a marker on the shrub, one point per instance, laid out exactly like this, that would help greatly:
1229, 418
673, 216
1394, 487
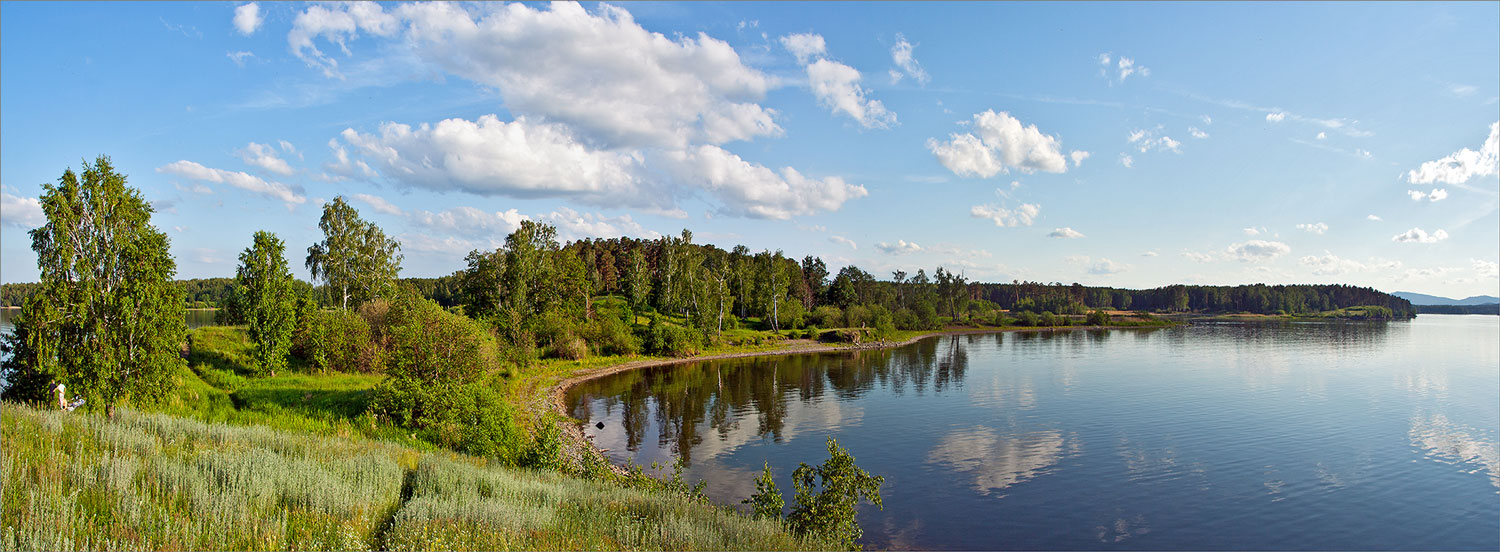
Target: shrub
571, 348
1098, 318
839, 485
672, 340
610, 335
827, 316
767, 500
1028, 318
339, 341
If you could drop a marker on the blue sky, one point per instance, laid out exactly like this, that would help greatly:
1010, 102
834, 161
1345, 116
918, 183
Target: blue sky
1131, 145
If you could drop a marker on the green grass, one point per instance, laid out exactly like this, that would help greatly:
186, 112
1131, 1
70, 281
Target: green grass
142, 481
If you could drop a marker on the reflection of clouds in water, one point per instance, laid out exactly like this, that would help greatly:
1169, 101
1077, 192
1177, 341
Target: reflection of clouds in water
998, 461
1148, 465
822, 415
1450, 443
1424, 382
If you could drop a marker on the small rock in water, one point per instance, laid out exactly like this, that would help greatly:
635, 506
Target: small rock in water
599, 425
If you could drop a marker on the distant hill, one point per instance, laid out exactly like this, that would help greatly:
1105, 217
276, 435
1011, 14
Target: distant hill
1424, 299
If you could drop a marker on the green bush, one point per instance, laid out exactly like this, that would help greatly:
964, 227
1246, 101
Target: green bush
337, 341
826, 497
671, 340
610, 335
1028, 318
1098, 318
827, 316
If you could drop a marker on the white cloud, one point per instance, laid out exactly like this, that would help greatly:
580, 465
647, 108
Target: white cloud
292, 196
1462, 90
1078, 157
493, 157
1106, 266
1276, 116
901, 247
264, 156
1417, 235
1149, 254
901, 55
21, 212
1372, 217
247, 18
239, 57
753, 190
1207, 120
1003, 217
1003, 142
379, 204
1363, 153
1196, 133
1329, 264
1322, 136
1257, 250
612, 81
1253, 231
1462, 165
1486, 269
1127, 161
1437, 194
1077, 259
1065, 232
837, 87
1128, 67
343, 167
288, 147
805, 46
1198, 257
471, 221
1146, 140
573, 225
1104, 59
843, 241
1316, 227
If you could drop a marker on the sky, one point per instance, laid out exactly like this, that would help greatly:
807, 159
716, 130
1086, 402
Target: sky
1119, 144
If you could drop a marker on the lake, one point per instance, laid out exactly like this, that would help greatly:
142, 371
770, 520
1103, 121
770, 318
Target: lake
196, 318
1276, 435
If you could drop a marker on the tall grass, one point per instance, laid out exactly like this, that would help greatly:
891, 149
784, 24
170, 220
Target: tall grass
75, 481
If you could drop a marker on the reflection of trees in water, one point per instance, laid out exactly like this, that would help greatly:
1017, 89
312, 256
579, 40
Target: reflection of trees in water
682, 399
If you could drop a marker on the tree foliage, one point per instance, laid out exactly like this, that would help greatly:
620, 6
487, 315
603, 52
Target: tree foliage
826, 497
107, 321
355, 259
766, 502
264, 287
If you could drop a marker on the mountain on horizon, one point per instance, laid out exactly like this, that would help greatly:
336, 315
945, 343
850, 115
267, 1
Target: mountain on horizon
1424, 299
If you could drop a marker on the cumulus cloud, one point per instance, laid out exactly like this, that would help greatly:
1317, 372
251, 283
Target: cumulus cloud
1417, 235
1106, 266
1127, 161
1257, 250
1329, 264
1322, 136
493, 157
901, 247
1065, 232
1253, 231
1196, 133
21, 212
1316, 227
344, 167
843, 241
1128, 67
1276, 116
247, 18
1002, 143
1078, 157
1146, 140
1372, 217
837, 87
753, 190
264, 156
290, 195
612, 81
574, 225
805, 46
1149, 254
1486, 269
1197, 257
379, 204
1122, 66
471, 221
901, 55
1003, 217
1462, 165
1437, 194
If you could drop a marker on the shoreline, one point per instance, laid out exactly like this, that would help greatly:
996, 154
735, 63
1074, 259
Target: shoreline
573, 431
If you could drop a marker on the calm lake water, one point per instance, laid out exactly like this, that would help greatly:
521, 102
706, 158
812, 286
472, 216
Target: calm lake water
196, 318
1322, 436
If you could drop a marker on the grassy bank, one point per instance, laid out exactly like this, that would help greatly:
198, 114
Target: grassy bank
154, 482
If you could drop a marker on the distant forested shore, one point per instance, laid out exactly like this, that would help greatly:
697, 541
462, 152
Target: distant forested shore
599, 256
1488, 308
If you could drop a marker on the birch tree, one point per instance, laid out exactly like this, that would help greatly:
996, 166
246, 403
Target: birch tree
355, 259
